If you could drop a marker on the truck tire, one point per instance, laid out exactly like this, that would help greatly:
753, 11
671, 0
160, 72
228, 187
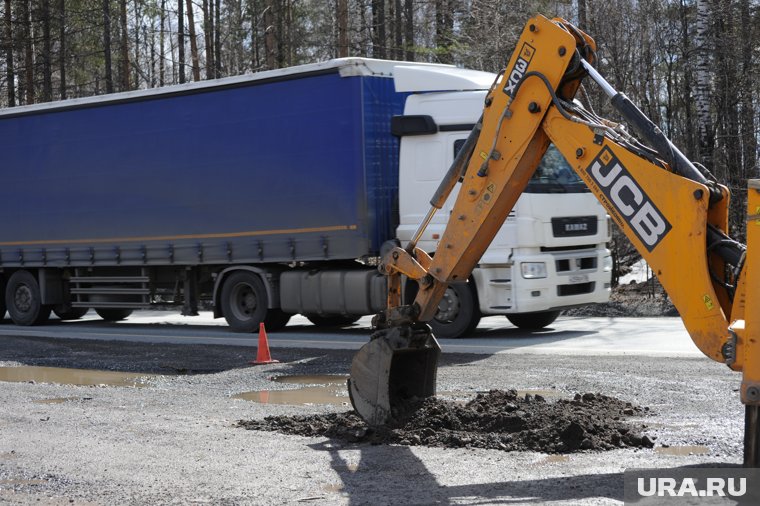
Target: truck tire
276, 319
24, 301
112, 314
458, 312
533, 321
244, 301
3, 309
334, 320
72, 313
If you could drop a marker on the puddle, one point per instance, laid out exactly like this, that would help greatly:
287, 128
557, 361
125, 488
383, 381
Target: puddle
552, 459
334, 487
79, 377
331, 389
323, 389
61, 400
684, 450
315, 379
672, 426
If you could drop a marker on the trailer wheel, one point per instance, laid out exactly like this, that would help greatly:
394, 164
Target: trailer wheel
335, 320
458, 312
244, 301
72, 313
276, 319
533, 321
112, 314
24, 301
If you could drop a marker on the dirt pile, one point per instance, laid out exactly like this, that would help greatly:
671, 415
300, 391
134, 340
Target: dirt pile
499, 420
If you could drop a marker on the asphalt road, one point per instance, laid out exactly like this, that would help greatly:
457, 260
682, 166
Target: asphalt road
665, 337
171, 437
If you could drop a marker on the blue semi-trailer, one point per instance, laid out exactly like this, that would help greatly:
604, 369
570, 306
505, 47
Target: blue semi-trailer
268, 195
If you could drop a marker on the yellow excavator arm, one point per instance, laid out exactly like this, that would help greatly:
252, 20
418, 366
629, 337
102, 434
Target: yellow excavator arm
674, 214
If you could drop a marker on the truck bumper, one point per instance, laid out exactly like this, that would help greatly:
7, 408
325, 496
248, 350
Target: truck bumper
573, 278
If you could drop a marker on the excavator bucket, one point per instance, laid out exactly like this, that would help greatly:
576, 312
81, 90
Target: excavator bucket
398, 364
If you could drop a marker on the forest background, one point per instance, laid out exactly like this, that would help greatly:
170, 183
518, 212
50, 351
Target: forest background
689, 64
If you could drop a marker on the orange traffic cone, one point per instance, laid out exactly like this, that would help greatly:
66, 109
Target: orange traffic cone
262, 354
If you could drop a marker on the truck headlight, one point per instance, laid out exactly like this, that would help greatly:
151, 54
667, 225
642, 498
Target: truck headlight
607, 263
533, 270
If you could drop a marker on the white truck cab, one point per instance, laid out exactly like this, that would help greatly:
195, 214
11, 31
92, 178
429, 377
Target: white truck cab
549, 255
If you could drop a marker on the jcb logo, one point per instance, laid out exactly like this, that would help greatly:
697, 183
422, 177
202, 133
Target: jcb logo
647, 222
518, 71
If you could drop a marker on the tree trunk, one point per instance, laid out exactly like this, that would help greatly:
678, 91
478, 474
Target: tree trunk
582, 21
9, 69
124, 57
139, 24
285, 34
181, 39
153, 59
270, 41
208, 38
341, 15
378, 29
749, 139
161, 48
409, 29
727, 93
193, 42
279, 16
686, 92
702, 81
26, 20
444, 26
217, 38
107, 45
253, 7
62, 61
47, 66
398, 31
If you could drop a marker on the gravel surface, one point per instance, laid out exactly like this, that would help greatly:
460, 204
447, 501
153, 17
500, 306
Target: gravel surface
174, 438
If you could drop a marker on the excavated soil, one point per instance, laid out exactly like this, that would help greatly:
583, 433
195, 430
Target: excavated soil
499, 420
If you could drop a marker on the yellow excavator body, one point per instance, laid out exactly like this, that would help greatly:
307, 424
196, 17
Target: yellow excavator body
672, 212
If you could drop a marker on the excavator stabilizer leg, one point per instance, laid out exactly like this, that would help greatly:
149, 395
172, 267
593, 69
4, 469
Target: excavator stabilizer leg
751, 436
398, 364
748, 332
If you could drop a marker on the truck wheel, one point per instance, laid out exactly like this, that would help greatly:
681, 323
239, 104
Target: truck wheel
111, 314
276, 319
72, 313
24, 301
458, 312
533, 321
3, 309
244, 301
336, 320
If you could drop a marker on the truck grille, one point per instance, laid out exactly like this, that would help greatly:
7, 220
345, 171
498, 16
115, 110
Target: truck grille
578, 289
575, 264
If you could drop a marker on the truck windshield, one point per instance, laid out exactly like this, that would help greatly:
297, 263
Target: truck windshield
553, 175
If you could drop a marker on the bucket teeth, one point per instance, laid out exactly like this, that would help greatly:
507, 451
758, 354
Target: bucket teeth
397, 364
